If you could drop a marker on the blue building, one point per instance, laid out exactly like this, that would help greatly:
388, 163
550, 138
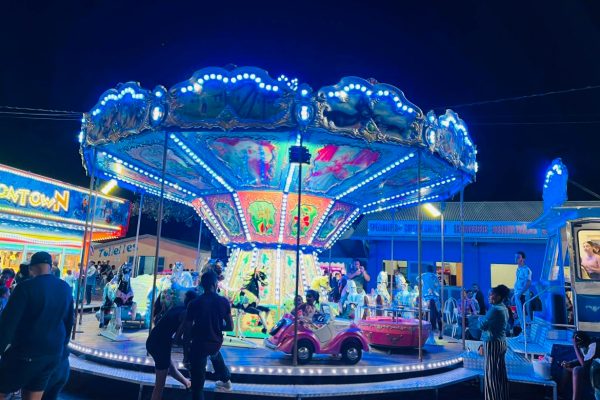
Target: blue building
493, 232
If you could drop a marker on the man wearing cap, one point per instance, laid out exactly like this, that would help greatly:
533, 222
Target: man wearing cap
34, 330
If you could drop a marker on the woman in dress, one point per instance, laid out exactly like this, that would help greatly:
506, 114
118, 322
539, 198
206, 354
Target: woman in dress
493, 326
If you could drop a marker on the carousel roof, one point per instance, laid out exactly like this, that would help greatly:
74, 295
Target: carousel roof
231, 130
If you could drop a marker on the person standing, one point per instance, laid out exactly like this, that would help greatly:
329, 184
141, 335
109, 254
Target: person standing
23, 273
70, 279
431, 295
206, 319
55, 269
90, 283
36, 324
493, 326
359, 275
521, 288
478, 296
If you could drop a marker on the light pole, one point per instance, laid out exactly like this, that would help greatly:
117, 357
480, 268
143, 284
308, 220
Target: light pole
434, 212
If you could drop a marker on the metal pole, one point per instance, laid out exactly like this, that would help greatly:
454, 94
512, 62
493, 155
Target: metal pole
199, 243
83, 243
86, 260
392, 251
159, 227
462, 263
295, 353
419, 251
443, 273
137, 237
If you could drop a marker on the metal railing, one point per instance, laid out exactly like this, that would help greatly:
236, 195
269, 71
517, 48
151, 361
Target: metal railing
524, 322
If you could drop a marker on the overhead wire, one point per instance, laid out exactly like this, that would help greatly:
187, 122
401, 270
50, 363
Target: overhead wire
40, 110
523, 97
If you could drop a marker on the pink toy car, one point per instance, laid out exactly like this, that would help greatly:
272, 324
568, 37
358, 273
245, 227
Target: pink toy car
326, 338
394, 332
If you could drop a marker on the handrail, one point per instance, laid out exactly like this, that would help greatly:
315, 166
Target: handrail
524, 322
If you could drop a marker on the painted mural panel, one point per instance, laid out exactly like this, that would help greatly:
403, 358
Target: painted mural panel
254, 162
311, 210
335, 164
262, 213
336, 217
223, 208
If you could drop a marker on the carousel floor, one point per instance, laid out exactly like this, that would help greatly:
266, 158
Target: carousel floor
248, 364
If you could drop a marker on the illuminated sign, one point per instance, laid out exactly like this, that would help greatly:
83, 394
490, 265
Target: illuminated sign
28, 196
477, 230
32, 198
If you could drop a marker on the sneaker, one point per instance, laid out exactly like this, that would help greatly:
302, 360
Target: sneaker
220, 385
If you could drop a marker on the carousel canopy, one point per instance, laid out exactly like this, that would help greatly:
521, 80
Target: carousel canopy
228, 133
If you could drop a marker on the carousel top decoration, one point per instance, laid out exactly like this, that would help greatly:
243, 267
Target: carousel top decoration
228, 133
555, 184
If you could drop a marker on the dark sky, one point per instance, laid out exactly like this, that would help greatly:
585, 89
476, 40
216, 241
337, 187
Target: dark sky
438, 53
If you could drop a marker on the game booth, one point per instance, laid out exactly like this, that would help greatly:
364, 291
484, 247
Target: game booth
43, 214
278, 171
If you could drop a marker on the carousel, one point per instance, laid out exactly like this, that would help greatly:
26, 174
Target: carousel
278, 172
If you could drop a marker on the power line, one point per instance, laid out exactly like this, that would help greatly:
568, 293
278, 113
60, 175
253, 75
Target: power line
538, 123
41, 117
41, 110
9, 113
516, 98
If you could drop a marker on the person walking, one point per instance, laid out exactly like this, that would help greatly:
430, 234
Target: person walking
521, 288
206, 319
36, 324
493, 326
160, 340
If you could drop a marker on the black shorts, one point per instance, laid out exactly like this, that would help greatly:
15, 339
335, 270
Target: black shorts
160, 352
31, 374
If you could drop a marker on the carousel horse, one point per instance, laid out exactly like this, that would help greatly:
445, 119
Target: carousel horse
382, 287
178, 283
405, 298
249, 297
118, 294
355, 302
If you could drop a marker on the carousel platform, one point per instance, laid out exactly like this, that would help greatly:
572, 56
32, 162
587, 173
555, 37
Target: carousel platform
258, 370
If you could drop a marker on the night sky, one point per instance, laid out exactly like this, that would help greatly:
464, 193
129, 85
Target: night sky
439, 54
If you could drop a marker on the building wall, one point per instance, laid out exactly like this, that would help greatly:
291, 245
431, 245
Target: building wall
119, 252
478, 256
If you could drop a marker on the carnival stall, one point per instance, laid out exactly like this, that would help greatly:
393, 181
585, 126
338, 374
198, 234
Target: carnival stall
43, 214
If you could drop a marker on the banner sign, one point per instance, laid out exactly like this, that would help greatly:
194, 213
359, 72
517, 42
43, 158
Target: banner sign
29, 195
492, 229
127, 248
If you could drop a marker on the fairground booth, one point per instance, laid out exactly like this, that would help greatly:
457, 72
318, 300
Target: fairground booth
43, 214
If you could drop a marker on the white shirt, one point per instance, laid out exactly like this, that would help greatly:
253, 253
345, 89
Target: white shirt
591, 352
523, 275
